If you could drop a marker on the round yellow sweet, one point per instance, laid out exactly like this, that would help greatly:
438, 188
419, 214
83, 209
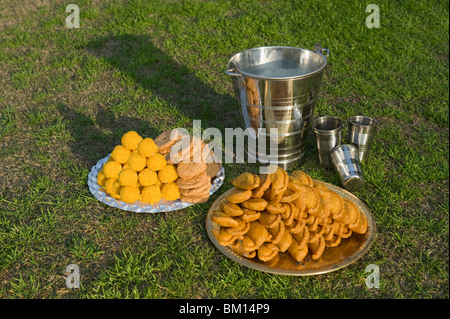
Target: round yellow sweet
147, 177
108, 185
168, 174
128, 177
170, 191
137, 162
112, 187
130, 140
156, 162
120, 154
111, 169
101, 178
147, 147
129, 194
124, 166
116, 189
151, 194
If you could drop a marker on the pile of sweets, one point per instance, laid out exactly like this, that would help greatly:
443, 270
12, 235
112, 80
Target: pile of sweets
142, 169
272, 214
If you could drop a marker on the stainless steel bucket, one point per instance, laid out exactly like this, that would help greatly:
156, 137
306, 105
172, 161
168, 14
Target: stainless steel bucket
277, 88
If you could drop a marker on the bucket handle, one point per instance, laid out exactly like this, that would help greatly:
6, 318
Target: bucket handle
318, 48
232, 72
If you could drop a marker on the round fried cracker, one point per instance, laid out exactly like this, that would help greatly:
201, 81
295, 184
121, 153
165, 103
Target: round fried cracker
189, 170
194, 182
194, 199
199, 191
164, 142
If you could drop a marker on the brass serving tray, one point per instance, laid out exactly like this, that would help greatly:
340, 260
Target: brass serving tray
333, 258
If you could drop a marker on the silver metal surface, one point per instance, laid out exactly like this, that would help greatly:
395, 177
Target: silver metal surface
361, 130
277, 88
138, 206
328, 131
346, 163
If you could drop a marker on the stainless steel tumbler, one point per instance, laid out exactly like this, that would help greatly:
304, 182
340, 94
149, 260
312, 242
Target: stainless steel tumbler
361, 130
328, 131
346, 163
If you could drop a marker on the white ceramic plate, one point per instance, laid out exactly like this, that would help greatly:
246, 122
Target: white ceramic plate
138, 206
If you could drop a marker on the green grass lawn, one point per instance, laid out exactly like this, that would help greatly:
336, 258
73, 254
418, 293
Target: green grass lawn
67, 96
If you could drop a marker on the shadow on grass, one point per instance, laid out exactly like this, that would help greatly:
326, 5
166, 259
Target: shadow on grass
139, 59
95, 136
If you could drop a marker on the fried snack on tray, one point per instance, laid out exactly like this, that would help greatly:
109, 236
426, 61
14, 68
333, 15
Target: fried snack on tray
269, 215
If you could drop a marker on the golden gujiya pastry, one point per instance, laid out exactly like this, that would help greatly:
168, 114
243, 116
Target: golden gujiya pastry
248, 244
302, 177
277, 215
334, 241
232, 209
250, 215
302, 237
275, 208
360, 226
258, 233
289, 196
238, 247
239, 195
267, 251
241, 229
349, 213
269, 220
308, 198
277, 232
225, 238
285, 242
265, 181
223, 219
297, 226
258, 204
296, 251
317, 248
246, 181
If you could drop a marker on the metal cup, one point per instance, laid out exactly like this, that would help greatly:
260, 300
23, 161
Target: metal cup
346, 163
361, 130
328, 130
